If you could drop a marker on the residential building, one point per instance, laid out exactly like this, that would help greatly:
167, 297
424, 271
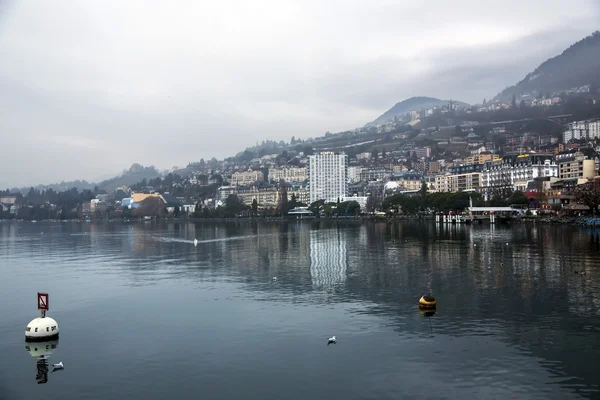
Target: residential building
201, 180
421, 152
373, 174
463, 182
575, 165
397, 168
588, 129
327, 176
354, 174
407, 181
224, 191
442, 183
301, 192
514, 172
433, 167
246, 178
265, 197
8, 200
480, 158
287, 174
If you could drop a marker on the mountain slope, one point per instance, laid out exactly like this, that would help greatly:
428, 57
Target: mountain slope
577, 66
128, 177
414, 103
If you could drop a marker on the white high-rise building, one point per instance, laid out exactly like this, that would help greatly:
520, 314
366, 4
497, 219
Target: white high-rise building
327, 176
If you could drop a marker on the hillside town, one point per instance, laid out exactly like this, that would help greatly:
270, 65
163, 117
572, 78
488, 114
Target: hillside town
546, 171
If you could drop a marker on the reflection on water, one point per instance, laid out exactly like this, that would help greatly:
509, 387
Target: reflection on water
513, 320
42, 351
328, 257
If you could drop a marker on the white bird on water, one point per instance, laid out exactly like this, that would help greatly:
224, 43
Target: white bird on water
274, 278
59, 365
195, 242
331, 340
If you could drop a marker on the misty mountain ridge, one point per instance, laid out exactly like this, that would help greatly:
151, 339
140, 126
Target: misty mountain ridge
418, 104
134, 174
577, 66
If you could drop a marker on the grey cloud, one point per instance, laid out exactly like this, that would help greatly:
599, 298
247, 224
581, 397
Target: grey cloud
89, 89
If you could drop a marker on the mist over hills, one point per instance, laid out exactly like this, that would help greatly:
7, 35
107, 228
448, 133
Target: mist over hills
577, 66
576, 69
414, 103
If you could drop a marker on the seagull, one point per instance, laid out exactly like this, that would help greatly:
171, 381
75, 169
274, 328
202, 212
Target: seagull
331, 340
274, 278
195, 242
58, 366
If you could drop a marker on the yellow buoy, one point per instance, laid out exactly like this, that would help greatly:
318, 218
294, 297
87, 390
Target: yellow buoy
427, 302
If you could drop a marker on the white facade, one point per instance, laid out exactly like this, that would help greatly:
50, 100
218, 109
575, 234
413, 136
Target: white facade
582, 130
507, 175
287, 174
246, 178
327, 176
354, 174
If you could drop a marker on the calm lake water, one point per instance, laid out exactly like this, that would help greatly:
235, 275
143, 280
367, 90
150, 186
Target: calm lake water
144, 314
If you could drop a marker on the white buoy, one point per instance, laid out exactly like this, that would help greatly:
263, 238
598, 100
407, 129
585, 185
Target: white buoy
42, 328
195, 242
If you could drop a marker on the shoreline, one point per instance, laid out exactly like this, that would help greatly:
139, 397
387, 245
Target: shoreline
535, 220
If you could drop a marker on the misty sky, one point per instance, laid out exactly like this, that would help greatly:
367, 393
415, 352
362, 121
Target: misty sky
90, 87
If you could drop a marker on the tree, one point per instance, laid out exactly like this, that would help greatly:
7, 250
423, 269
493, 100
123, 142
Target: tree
283, 198
353, 208
374, 154
423, 190
254, 207
589, 194
518, 197
233, 206
316, 206
522, 105
514, 101
371, 204
197, 210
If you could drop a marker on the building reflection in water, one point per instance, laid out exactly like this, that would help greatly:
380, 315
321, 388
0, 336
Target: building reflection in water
328, 257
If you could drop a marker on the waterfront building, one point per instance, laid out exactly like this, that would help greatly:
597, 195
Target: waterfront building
287, 174
516, 171
575, 165
327, 176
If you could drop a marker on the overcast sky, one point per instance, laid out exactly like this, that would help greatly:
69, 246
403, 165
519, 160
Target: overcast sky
90, 87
